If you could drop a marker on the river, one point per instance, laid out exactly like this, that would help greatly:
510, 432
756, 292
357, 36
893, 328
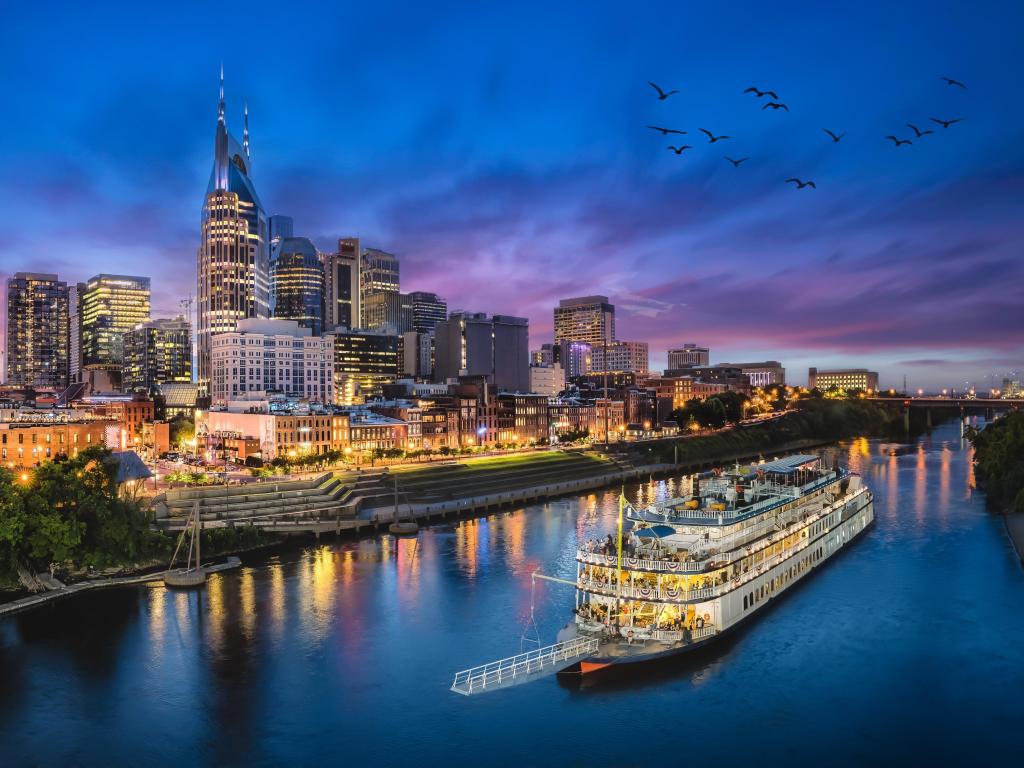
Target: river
908, 647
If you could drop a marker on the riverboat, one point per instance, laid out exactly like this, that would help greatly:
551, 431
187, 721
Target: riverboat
688, 570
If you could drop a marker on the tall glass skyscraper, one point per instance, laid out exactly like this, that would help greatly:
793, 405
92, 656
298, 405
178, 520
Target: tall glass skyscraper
233, 262
37, 330
110, 306
297, 283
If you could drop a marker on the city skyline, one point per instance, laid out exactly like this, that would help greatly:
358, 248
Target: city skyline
875, 270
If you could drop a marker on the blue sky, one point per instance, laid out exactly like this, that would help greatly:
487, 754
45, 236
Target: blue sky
501, 151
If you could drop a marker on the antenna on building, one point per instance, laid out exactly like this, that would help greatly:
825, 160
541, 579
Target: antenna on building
220, 106
245, 131
186, 304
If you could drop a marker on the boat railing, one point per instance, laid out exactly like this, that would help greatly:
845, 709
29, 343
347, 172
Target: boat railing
640, 564
513, 669
648, 593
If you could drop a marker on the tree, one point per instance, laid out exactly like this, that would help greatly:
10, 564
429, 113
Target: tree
12, 525
182, 431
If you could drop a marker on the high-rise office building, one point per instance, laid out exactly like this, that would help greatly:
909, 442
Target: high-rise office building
428, 309
575, 357
364, 361
155, 353
75, 332
233, 261
279, 229
546, 355
342, 285
688, 356
297, 283
37, 330
417, 354
380, 299
472, 344
587, 318
108, 307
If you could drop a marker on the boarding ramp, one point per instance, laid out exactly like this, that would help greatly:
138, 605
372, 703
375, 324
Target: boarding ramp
524, 667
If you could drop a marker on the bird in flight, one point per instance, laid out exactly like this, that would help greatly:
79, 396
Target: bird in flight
736, 163
775, 105
761, 93
679, 150
665, 131
835, 139
711, 137
951, 81
918, 133
897, 142
661, 94
802, 184
945, 123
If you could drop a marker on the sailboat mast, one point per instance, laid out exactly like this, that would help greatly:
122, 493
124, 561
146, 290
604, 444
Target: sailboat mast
197, 532
618, 576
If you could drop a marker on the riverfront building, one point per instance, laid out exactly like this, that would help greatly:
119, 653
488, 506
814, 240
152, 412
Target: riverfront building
587, 318
155, 353
109, 306
342, 286
846, 378
269, 432
297, 284
37, 331
233, 261
279, 356
688, 355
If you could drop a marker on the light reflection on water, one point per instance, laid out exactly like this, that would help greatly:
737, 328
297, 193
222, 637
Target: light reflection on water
333, 651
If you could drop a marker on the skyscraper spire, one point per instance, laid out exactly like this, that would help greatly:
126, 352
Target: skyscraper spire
220, 106
245, 131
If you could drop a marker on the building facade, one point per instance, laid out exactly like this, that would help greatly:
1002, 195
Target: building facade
233, 260
272, 356
37, 331
342, 285
364, 361
765, 374
108, 307
470, 344
547, 380
155, 353
25, 444
586, 318
297, 284
379, 289
842, 378
688, 355
620, 356
428, 309
575, 357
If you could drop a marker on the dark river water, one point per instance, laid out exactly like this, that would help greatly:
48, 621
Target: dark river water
908, 649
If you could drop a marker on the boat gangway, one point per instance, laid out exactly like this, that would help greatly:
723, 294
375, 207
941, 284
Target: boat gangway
524, 667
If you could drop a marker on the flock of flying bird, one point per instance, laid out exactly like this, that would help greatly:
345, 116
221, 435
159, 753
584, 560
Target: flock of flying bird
776, 104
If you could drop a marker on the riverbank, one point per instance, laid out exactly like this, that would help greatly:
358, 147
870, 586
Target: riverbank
1015, 530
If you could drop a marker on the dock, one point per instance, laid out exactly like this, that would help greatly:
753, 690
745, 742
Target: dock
523, 668
33, 601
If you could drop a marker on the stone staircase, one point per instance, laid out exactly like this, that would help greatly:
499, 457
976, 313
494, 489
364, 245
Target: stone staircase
326, 496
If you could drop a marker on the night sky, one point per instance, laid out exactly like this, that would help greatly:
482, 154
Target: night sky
501, 151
